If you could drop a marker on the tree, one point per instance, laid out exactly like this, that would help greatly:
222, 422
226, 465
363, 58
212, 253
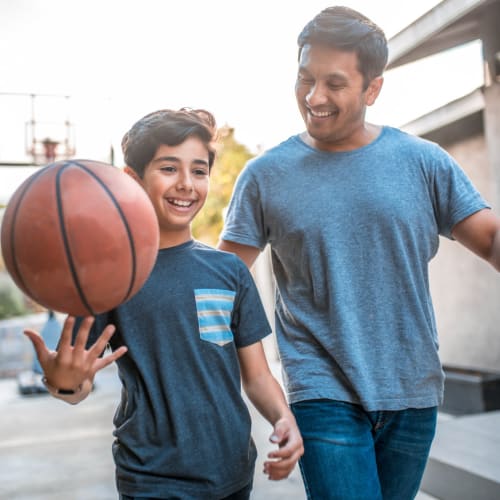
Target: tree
231, 158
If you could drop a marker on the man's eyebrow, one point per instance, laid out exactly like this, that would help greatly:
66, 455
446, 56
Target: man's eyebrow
336, 76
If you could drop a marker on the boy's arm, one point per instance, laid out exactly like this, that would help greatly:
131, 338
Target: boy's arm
70, 370
267, 396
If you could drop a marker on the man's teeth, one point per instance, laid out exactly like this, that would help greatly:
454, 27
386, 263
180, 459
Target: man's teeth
321, 114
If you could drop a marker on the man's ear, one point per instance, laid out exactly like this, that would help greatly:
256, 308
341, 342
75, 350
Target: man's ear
373, 90
133, 174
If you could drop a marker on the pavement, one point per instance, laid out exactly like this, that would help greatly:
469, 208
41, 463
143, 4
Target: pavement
50, 450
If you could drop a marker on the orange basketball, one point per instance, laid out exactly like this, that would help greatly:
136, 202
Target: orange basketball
79, 237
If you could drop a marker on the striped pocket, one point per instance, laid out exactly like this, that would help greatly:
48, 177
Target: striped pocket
215, 308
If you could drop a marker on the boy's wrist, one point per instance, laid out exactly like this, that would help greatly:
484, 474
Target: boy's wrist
59, 391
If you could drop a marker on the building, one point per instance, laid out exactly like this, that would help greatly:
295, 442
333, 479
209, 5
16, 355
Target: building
466, 292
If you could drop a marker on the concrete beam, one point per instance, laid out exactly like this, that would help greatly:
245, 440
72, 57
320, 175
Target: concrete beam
448, 24
451, 112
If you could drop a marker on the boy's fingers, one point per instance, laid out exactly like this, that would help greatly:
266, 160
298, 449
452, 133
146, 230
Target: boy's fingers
67, 331
83, 333
38, 343
103, 340
110, 358
278, 470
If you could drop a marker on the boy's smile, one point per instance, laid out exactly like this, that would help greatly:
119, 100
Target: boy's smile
177, 181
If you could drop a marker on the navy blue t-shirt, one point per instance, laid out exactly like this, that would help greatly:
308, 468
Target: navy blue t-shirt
182, 427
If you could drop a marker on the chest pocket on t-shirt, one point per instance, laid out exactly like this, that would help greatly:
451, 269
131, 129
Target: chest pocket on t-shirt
215, 308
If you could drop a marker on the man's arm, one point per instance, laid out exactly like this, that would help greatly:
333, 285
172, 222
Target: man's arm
246, 253
267, 396
480, 233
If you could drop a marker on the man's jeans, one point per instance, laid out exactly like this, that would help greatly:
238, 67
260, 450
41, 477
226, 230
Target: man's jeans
352, 454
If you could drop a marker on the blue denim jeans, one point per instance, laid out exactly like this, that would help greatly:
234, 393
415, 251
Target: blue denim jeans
353, 454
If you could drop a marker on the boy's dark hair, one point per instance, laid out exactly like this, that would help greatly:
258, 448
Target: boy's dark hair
168, 127
347, 30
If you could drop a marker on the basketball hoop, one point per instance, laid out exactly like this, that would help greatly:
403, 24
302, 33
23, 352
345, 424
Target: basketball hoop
50, 149
49, 141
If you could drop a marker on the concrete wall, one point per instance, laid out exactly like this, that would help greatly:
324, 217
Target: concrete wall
465, 289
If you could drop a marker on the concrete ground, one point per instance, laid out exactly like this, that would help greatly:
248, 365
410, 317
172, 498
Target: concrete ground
53, 451
50, 450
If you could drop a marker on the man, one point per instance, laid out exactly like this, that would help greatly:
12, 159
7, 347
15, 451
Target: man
353, 214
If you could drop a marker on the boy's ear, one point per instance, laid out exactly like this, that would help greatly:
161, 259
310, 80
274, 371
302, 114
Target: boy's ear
133, 174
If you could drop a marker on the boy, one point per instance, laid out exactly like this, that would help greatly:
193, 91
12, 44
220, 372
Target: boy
182, 428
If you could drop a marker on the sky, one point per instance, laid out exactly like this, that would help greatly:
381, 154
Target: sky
121, 59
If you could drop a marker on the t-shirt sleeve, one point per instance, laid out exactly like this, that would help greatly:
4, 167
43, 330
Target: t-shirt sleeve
249, 322
455, 196
244, 221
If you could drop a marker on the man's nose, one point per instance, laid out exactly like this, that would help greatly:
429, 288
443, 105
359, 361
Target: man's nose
316, 95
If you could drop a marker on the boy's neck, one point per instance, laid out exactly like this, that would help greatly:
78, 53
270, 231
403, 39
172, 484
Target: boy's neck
174, 238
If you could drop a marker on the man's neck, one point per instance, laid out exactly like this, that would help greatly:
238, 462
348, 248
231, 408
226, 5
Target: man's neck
364, 136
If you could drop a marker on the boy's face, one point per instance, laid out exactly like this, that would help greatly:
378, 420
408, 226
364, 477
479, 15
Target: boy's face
177, 181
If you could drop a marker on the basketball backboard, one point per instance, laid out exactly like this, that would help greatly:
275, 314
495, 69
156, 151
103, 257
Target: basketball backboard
35, 128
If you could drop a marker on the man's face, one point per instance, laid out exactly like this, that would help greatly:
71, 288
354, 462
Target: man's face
331, 98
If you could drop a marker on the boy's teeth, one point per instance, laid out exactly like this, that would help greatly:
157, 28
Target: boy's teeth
181, 203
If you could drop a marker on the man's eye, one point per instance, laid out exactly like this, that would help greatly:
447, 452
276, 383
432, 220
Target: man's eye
200, 172
304, 80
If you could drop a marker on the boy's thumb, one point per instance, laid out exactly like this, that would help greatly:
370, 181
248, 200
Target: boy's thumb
279, 433
36, 340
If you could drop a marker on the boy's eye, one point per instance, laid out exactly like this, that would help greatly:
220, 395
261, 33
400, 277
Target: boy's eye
167, 168
200, 171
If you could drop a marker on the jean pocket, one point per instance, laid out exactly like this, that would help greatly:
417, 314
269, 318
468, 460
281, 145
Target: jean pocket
215, 309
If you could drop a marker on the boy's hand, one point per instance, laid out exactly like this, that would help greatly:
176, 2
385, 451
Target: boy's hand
282, 461
70, 366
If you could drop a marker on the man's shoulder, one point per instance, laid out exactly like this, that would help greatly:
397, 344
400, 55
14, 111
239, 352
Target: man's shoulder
407, 139
273, 158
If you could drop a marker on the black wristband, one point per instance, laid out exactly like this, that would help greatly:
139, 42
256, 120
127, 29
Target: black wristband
59, 391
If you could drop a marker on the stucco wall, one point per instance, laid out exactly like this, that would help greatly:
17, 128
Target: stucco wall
465, 289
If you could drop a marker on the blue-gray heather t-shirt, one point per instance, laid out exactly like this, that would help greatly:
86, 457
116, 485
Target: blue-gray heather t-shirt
351, 235
182, 429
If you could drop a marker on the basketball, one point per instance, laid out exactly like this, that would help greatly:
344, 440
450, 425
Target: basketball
79, 237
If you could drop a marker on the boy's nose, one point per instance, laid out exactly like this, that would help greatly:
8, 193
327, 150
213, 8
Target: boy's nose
185, 183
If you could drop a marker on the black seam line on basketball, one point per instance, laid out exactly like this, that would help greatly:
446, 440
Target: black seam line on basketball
13, 226
125, 223
64, 234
